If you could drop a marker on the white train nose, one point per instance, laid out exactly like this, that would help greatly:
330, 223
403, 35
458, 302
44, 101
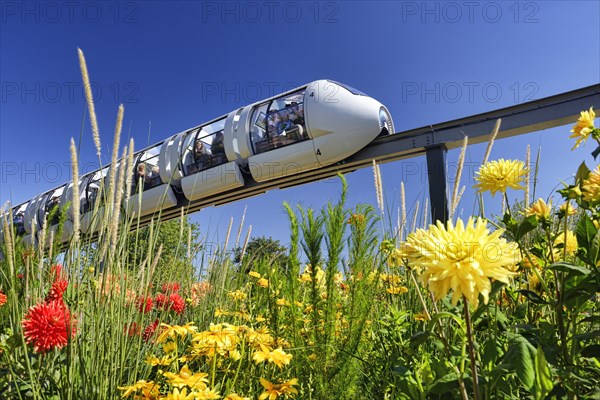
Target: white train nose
342, 120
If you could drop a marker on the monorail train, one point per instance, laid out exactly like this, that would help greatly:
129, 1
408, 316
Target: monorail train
304, 129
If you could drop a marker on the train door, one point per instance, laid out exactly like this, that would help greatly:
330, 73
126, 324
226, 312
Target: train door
150, 192
92, 205
205, 166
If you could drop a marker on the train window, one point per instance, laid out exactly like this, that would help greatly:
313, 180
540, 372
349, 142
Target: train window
94, 187
278, 123
50, 207
19, 219
204, 148
147, 171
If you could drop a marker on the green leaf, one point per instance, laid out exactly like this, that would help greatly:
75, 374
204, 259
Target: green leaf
532, 296
445, 384
419, 338
583, 172
590, 351
527, 225
585, 233
443, 314
570, 268
543, 379
520, 356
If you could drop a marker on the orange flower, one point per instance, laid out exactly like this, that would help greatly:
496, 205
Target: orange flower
2, 299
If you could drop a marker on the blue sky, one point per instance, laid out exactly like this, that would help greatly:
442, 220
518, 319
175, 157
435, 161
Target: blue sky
177, 64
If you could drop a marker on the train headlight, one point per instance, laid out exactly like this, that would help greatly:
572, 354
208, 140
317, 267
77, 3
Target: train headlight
386, 125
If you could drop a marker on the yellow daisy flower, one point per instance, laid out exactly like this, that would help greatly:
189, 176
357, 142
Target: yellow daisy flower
463, 258
277, 356
397, 289
237, 295
235, 396
273, 391
262, 282
170, 331
499, 175
185, 377
149, 387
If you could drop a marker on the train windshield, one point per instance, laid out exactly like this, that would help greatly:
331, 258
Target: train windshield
203, 148
94, 191
278, 123
349, 88
147, 170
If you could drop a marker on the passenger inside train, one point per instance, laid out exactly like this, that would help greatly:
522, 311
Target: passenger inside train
284, 123
52, 210
148, 174
19, 223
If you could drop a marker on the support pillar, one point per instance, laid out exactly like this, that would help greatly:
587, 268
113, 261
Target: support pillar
436, 175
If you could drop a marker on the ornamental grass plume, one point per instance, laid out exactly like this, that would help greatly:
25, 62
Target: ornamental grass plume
499, 175
583, 128
48, 325
463, 258
90, 100
591, 186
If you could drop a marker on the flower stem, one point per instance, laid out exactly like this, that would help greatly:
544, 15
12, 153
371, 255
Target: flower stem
471, 350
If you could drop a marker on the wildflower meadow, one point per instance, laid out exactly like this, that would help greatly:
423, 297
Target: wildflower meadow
355, 306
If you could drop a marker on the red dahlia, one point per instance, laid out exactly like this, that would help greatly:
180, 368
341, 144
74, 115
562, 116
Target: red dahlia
171, 287
56, 291
144, 304
160, 300
48, 325
150, 329
176, 303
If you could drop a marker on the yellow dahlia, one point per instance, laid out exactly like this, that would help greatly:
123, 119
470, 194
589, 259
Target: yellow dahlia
570, 246
463, 258
583, 128
499, 175
568, 209
591, 186
540, 209
273, 391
